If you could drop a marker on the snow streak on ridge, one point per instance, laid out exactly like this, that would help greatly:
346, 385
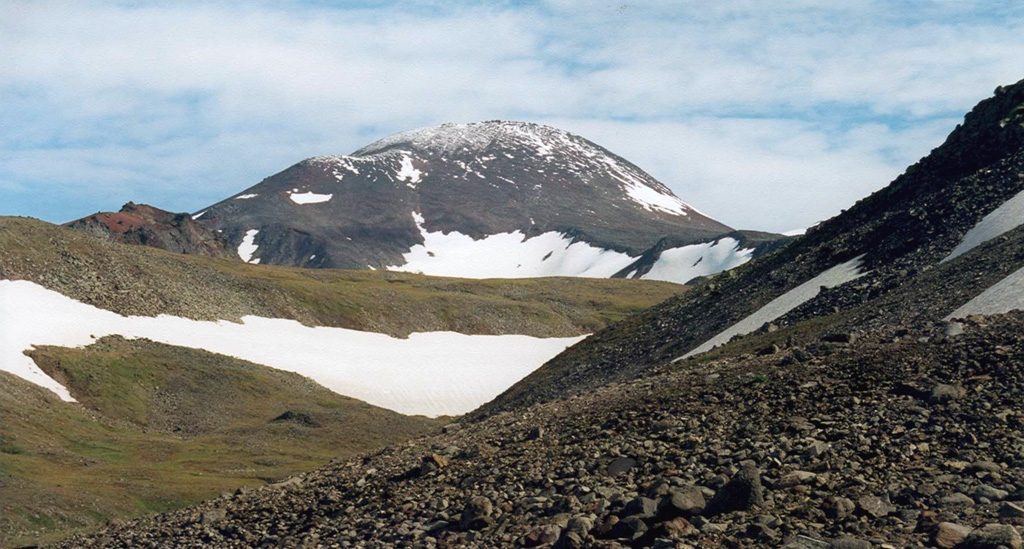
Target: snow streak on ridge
1008, 216
836, 276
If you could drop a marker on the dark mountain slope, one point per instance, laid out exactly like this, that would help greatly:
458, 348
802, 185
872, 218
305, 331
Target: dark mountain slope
902, 230
475, 179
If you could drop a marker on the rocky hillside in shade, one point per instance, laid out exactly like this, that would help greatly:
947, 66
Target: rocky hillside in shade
882, 245
159, 427
484, 200
145, 225
907, 437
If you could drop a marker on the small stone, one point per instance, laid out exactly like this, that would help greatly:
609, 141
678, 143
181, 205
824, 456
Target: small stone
957, 499
640, 507
804, 542
993, 536
543, 535
953, 329
839, 507
948, 535
1012, 510
687, 501
873, 506
841, 337
630, 528
944, 393
536, 433
211, 516
990, 492
477, 514
606, 527
796, 478
983, 466
742, 492
580, 525
817, 449
675, 528
571, 540
620, 465
849, 543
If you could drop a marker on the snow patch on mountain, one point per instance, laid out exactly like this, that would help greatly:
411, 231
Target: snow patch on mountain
1008, 216
248, 246
309, 197
642, 193
680, 265
246, 196
198, 215
508, 255
1002, 297
409, 173
432, 373
836, 276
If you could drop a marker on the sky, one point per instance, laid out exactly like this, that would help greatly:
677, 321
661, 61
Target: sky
763, 115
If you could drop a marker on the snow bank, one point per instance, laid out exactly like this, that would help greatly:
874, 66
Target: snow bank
408, 173
309, 197
1004, 296
508, 255
641, 192
248, 246
1005, 218
838, 275
680, 265
433, 373
246, 196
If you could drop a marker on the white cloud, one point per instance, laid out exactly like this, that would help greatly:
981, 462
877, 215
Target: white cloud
765, 174
753, 112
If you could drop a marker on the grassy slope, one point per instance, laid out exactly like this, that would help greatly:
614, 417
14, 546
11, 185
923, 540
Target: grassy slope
159, 427
147, 281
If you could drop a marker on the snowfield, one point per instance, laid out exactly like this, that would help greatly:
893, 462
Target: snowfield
248, 246
836, 276
1002, 297
432, 373
1008, 216
513, 255
508, 255
407, 172
683, 264
309, 197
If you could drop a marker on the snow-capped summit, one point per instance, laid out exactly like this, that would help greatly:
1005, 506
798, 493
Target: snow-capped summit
494, 199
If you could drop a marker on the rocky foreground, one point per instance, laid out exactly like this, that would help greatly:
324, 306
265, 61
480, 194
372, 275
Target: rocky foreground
909, 437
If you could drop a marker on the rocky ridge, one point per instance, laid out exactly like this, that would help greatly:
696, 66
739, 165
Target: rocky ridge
145, 225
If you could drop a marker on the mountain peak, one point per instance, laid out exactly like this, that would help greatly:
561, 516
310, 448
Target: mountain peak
465, 188
473, 136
